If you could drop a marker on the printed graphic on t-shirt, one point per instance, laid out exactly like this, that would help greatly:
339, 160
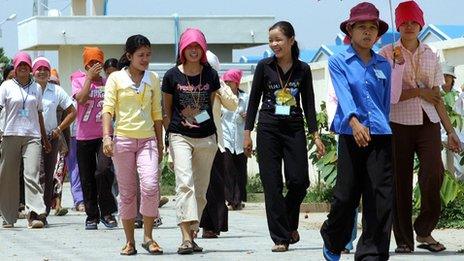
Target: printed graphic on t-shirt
287, 95
193, 101
94, 105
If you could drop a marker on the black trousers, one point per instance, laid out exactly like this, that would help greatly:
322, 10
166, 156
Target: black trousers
46, 173
235, 169
215, 214
96, 179
283, 140
365, 172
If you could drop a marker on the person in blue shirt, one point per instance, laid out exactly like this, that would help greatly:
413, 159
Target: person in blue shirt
361, 80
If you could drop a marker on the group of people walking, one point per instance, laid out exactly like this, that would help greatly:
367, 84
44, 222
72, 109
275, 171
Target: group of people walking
388, 107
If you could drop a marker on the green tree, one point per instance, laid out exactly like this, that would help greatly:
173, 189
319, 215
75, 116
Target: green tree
3, 58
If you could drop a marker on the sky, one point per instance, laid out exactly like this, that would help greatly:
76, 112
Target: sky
316, 22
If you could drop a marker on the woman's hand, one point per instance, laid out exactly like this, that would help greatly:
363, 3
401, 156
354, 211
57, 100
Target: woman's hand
454, 144
319, 146
108, 146
160, 152
247, 144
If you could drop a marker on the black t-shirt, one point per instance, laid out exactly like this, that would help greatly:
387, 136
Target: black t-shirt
266, 84
190, 98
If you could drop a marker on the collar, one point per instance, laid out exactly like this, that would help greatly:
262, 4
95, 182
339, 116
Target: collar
421, 48
127, 81
50, 87
351, 53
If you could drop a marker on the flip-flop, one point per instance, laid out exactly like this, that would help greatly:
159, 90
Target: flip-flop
185, 248
157, 251
294, 237
130, 253
196, 247
432, 247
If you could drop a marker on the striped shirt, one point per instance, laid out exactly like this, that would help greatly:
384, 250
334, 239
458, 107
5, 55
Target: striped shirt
420, 68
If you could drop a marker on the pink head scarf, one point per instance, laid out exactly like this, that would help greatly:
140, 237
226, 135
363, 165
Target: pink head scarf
233, 75
39, 62
21, 57
189, 36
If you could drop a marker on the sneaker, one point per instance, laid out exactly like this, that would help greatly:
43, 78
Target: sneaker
163, 201
35, 221
158, 222
329, 256
91, 225
109, 221
138, 224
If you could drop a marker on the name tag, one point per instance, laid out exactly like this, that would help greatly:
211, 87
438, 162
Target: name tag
379, 74
24, 113
202, 117
282, 110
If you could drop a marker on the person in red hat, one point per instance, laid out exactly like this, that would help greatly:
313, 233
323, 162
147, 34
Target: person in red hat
415, 116
361, 80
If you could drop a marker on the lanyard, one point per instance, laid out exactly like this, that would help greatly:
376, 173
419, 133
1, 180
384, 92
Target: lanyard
196, 101
21, 87
280, 79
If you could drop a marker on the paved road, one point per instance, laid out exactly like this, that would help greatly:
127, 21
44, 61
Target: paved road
247, 239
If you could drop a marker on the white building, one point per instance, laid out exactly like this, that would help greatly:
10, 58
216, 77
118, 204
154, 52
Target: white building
69, 34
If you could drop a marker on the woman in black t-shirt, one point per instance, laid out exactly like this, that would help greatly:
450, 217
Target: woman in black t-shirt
282, 80
188, 95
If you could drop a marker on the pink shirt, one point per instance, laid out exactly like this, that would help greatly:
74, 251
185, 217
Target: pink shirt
422, 67
89, 115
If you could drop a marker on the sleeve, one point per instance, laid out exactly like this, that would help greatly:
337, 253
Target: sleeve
439, 78
216, 84
156, 111
76, 86
64, 100
342, 90
228, 99
109, 101
255, 96
166, 86
3, 95
396, 75
307, 98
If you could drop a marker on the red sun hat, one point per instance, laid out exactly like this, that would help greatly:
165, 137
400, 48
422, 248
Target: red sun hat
408, 11
364, 12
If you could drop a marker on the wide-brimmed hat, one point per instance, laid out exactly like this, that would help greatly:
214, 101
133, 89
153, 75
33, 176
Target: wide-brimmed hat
364, 12
448, 69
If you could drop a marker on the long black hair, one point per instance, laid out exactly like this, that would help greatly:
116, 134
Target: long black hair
287, 29
111, 62
7, 71
133, 43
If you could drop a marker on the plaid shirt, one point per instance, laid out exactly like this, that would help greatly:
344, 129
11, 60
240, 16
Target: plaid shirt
421, 67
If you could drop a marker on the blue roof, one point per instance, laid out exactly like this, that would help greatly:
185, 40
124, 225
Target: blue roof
453, 31
307, 55
387, 38
250, 59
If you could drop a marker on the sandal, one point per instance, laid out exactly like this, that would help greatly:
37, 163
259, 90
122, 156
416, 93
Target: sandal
403, 249
132, 251
109, 221
280, 248
432, 247
185, 248
156, 250
61, 212
294, 237
196, 247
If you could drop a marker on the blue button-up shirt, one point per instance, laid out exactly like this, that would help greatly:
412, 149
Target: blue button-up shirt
363, 91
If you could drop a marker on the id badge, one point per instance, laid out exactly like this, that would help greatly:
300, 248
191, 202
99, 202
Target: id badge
202, 117
379, 74
282, 110
24, 113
